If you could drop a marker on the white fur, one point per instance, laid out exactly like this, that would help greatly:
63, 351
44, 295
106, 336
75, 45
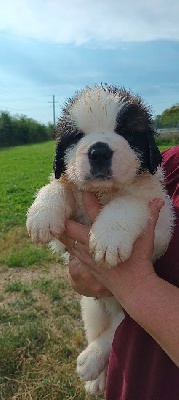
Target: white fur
47, 215
97, 386
95, 110
124, 217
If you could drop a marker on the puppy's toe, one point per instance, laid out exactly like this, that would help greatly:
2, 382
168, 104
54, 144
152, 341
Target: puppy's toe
43, 229
41, 235
97, 386
112, 258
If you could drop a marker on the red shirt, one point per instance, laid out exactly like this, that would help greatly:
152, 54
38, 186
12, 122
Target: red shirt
138, 367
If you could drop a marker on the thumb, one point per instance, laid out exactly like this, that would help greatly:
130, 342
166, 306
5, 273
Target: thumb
92, 205
155, 207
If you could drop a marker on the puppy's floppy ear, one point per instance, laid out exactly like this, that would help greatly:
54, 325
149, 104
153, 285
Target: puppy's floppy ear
69, 137
154, 155
134, 123
59, 163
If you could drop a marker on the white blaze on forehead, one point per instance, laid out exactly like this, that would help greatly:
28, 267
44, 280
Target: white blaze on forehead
95, 110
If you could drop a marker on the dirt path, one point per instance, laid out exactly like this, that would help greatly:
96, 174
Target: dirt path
26, 276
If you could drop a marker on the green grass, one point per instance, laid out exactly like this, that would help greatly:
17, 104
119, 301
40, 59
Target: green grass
15, 287
24, 169
40, 324
164, 147
169, 140
40, 340
17, 347
25, 257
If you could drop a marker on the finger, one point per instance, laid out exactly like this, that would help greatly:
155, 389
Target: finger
77, 231
83, 281
82, 253
92, 205
75, 267
67, 241
78, 270
73, 245
155, 207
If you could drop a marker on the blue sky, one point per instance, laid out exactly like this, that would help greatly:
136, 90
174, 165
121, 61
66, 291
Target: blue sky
57, 47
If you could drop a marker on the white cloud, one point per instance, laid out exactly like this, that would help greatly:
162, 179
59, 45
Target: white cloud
81, 21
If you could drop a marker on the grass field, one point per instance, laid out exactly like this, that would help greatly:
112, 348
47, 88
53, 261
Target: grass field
40, 326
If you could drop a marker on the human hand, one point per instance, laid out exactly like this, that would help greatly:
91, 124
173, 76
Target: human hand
121, 280
82, 280
80, 277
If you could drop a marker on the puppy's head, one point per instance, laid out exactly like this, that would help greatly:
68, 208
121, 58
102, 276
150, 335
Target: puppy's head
104, 139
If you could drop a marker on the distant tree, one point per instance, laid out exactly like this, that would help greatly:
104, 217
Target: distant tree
19, 130
6, 129
51, 130
169, 118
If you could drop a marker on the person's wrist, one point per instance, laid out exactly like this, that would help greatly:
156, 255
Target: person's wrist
134, 292
127, 287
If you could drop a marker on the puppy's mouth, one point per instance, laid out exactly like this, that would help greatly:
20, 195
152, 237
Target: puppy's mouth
100, 176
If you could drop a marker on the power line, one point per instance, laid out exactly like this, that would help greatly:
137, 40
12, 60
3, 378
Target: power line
53, 102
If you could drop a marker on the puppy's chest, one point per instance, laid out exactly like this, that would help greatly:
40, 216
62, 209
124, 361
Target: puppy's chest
81, 215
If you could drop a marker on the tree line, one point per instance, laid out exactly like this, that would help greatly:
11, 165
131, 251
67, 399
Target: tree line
168, 119
19, 129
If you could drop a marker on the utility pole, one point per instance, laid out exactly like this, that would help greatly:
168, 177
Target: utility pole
53, 102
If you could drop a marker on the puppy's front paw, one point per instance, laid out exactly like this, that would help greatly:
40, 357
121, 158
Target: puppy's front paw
44, 224
97, 386
109, 245
91, 362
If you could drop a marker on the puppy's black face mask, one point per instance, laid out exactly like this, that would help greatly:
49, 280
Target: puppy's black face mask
134, 124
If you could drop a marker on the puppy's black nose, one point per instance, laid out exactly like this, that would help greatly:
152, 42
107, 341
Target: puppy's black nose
100, 154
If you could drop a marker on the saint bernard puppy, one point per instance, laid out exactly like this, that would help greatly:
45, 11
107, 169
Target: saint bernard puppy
106, 145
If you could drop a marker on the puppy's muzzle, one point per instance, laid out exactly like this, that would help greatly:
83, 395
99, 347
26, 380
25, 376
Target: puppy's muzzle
100, 159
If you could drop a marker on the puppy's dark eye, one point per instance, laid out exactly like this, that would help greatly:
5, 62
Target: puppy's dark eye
75, 134
79, 134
